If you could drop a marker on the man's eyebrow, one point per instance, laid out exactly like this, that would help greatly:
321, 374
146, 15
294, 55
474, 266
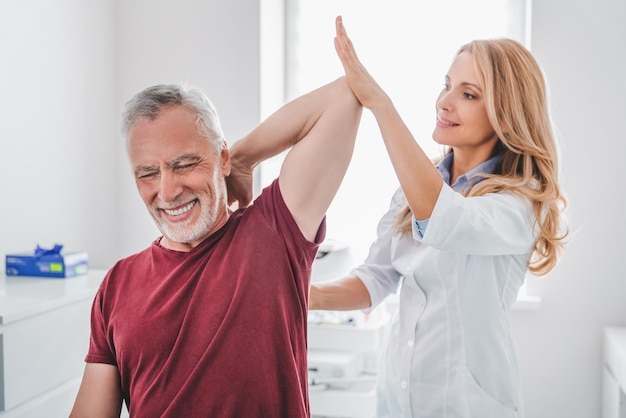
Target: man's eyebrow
142, 169
185, 158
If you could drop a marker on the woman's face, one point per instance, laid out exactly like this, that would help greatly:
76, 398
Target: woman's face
462, 121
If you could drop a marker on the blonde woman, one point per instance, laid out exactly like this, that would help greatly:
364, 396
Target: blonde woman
459, 236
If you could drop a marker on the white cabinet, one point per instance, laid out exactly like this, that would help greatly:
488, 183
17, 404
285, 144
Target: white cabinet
343, 360
614, 373
343, 363
44, 336
344, 347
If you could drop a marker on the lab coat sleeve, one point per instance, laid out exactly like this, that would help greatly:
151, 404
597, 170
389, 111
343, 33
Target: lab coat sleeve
492, 224
377, 272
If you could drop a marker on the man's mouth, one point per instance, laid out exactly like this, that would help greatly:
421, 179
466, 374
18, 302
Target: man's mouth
181, 210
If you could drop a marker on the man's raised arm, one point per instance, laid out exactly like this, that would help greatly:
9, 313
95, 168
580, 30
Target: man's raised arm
320, 127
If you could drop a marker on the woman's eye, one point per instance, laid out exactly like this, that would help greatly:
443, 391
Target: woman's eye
470, 96
446, 87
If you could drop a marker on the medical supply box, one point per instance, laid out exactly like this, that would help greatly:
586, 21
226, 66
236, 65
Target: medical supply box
47, 263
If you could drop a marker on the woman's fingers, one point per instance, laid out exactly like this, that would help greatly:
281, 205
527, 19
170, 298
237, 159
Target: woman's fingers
357, 76
343, 44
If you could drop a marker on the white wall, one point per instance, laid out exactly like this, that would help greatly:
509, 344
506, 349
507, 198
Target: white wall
212, 45
582, 47
66, 67
58, 168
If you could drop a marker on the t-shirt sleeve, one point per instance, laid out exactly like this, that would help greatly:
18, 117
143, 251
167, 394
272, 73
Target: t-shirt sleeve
99, 346
276, 212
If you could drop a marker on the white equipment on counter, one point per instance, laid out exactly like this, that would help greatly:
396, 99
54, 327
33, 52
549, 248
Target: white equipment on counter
343, 347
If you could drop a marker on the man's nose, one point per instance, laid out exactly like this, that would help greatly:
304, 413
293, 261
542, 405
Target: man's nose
170, 186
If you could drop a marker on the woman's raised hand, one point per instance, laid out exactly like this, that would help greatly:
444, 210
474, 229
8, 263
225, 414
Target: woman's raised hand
363, 85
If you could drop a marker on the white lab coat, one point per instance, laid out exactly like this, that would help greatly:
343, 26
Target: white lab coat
450, 351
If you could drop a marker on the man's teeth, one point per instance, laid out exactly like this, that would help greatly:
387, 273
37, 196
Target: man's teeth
181, 210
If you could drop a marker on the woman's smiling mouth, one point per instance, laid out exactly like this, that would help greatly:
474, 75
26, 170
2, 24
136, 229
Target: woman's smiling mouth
445, 122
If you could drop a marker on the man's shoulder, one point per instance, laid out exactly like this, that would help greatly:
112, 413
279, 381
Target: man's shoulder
270, 196
132, 261
129, 259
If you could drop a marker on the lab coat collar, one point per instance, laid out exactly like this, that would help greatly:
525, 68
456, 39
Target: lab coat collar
469, 179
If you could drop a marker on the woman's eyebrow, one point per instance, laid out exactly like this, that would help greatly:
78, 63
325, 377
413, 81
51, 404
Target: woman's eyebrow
466, 84
471, 85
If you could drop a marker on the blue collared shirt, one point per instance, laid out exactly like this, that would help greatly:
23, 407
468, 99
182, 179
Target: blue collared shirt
464, 181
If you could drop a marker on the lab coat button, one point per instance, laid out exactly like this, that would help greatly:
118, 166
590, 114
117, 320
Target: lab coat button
411, 342
404, 384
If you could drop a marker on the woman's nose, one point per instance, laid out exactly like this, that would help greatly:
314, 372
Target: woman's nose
443, 101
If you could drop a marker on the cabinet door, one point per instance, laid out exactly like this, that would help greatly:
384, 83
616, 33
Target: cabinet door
54, 404
613, 397
44, 352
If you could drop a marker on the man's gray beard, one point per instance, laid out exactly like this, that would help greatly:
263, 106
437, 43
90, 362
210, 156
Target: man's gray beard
187, 233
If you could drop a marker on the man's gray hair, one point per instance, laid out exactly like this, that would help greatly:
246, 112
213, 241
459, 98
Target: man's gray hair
147, 104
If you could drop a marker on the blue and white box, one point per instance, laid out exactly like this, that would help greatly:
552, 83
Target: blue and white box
47, 263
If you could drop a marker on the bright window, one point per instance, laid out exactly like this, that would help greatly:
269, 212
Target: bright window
407, 46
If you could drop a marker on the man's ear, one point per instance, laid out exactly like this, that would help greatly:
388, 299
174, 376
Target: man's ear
225, 154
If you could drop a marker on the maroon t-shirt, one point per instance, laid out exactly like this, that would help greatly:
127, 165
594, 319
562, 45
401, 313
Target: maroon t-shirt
219, 331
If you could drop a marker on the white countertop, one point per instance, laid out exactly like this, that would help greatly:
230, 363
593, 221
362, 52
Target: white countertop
23, 296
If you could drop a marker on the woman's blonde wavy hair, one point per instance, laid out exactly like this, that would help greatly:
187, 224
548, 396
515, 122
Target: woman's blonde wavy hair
517, 106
